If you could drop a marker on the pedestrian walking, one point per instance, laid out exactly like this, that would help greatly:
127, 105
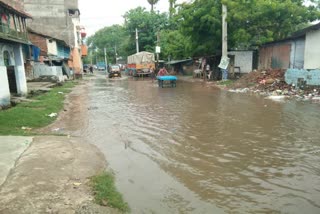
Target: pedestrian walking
152, 74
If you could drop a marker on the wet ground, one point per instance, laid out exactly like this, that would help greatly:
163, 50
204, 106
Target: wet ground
196, 149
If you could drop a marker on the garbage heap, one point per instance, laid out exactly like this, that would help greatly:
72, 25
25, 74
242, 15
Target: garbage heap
272, 82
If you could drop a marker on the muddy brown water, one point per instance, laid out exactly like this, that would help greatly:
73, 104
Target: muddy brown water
196, 149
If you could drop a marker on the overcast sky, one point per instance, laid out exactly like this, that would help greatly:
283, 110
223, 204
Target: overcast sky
96, 14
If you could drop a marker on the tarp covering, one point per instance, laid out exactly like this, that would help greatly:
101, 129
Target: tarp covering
141, 58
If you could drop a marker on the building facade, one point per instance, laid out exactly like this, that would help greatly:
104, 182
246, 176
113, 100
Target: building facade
312, 49
59, 19
300, 51
243, 61
13, 39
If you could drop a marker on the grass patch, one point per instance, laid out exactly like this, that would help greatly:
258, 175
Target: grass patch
225, 82
33, 114
105, 192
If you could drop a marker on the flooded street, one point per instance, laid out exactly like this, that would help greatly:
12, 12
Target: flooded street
196, 149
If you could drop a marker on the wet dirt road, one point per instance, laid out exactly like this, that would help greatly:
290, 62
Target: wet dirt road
195, 149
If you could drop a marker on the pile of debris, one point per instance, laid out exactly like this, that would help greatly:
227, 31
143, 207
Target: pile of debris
272, 83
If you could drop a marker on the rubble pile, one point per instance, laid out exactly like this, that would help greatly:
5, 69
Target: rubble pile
272, 83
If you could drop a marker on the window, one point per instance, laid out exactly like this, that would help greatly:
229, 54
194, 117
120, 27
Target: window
74, 12
6, 58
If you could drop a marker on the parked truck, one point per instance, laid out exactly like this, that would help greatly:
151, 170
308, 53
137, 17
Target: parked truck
139, 64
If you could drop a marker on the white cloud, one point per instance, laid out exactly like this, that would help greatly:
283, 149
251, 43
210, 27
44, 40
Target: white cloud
96, 14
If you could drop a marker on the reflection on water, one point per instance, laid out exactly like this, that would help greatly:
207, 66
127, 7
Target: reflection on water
194, 149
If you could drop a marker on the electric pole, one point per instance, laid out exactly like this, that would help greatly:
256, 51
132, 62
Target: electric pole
158, 45
105, 57
224, 40
224, 32
137, 41
116, 54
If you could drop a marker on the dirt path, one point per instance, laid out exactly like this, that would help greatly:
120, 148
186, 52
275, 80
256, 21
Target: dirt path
52, 175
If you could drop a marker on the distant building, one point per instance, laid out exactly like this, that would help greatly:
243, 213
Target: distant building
13, 40
59, 19
51, 58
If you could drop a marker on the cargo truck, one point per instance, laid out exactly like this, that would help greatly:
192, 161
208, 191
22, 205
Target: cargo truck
139, 64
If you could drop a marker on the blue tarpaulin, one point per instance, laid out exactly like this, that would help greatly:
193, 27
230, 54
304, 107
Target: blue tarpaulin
167, 78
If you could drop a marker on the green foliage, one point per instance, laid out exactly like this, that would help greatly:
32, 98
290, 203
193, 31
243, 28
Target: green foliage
174, 45
110, 38
254, 22
201, 21
105, 192
148, 24
250, 22
33, 114
194, 29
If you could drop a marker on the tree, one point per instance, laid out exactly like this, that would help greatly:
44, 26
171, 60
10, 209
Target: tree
152, 2
201, 21
254, 22
148, 24
175, 45
110, 38
250, 22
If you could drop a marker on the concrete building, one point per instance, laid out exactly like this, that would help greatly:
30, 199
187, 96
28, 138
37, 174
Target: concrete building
53, 56
312, 47
13, 38
242, 61
59, 19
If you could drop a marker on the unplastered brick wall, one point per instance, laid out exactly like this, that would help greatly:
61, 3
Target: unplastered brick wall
39, 41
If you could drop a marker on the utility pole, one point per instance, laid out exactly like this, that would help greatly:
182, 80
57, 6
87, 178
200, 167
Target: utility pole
105, 57
158, 45
224, 32
116, 54
91, 57
137, 41
224, 41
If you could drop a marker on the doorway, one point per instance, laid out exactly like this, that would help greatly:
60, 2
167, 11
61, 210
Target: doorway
10, 72
12, 79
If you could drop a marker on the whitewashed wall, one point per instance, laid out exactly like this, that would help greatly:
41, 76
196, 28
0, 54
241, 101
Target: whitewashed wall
44, 70
4, 87
243, 59
19, 71
312, 50
52, 47
16, 60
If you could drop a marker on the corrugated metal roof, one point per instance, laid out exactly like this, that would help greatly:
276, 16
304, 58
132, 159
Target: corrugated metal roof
178, 61
297, 35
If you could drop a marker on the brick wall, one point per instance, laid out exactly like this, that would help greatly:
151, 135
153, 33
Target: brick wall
39, 41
